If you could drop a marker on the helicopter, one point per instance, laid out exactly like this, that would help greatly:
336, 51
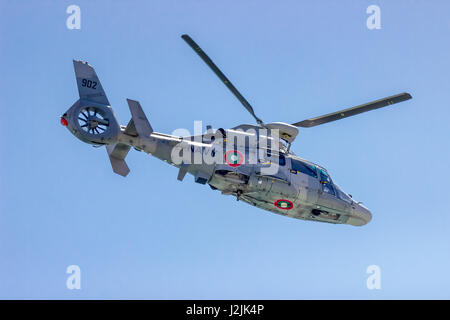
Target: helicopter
254, 163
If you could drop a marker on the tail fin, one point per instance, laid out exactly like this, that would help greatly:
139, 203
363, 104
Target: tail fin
91, 119
89, 86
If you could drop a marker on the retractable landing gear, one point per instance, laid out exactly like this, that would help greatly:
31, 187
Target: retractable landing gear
238, 194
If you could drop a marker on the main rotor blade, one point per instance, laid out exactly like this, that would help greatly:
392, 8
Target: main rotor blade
312, 122
222, 77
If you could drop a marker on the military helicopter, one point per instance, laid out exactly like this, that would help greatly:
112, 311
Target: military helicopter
254, 163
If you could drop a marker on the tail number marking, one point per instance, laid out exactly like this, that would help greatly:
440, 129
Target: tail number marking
89, 84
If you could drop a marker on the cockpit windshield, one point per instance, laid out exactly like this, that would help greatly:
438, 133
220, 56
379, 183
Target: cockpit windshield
315, 171
342, 195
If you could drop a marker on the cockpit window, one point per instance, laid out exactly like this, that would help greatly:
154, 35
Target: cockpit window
324, 178
304, 167
325, 181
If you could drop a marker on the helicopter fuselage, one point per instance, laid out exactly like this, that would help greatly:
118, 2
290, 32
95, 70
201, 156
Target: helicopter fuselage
254, 163
296, 188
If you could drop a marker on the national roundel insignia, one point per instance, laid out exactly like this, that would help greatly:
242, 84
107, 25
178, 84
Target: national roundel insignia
283, 204
234, 158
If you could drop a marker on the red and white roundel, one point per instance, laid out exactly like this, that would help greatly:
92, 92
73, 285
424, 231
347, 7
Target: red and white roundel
284, 204
234, 158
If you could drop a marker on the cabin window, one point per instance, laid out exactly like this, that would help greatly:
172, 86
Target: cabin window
282, 160
303, 167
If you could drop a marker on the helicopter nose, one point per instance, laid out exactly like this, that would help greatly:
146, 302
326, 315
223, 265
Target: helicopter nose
360, 216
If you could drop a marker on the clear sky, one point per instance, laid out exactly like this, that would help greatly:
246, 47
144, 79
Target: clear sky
151, 236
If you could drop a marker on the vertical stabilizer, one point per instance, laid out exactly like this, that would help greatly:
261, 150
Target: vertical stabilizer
89, 86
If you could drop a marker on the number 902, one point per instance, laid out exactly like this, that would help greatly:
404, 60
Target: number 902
89, 84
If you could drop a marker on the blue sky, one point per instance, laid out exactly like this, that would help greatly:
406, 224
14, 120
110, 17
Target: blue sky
151, 236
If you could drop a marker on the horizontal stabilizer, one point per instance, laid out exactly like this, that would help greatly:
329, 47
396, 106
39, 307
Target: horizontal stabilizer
143, 127
117, 153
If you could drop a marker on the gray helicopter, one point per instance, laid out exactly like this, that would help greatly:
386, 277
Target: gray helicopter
254, 163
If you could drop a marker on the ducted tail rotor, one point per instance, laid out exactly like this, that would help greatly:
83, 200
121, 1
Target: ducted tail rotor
93, 120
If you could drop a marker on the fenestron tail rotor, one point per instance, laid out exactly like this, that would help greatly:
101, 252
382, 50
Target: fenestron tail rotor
92, 120
312, 122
